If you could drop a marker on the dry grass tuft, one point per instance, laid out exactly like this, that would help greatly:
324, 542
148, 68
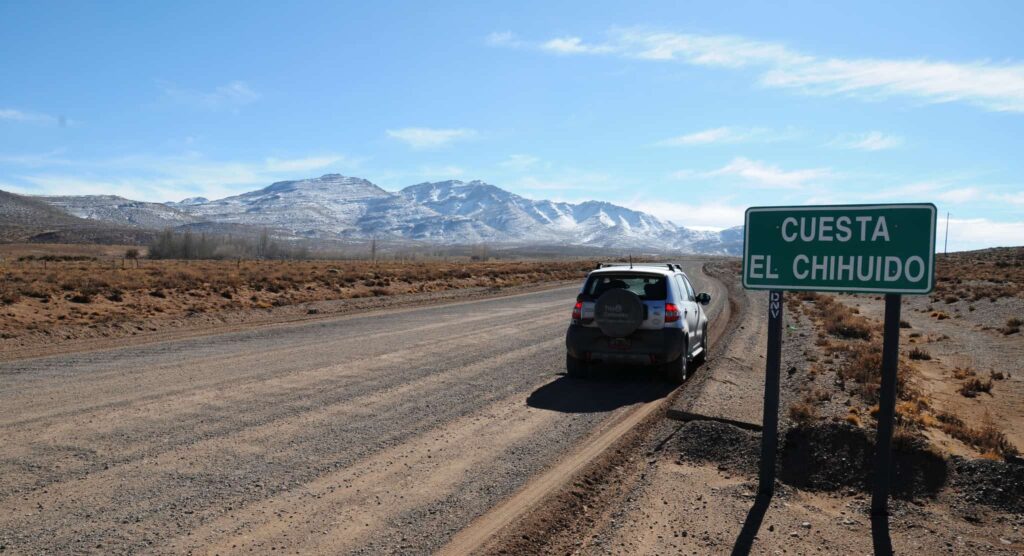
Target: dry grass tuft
974, 386
803, 413
961, 373
918, 354
987, 439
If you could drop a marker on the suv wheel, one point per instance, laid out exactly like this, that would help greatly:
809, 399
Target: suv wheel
575, 368
703, 357
675, 371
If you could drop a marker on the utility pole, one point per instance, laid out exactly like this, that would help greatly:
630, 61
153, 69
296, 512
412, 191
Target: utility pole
945, 245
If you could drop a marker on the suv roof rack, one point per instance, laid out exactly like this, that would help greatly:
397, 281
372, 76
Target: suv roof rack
630, 264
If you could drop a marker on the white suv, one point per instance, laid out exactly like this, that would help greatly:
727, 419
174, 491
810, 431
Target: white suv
638, 314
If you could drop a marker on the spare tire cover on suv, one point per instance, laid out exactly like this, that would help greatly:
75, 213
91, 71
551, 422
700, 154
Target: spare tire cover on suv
618, 312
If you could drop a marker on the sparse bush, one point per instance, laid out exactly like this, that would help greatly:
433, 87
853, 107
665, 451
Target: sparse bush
803, 413
974, 386
919, 354
80, 298
1012, 326
905, 324
988, 439
9, 297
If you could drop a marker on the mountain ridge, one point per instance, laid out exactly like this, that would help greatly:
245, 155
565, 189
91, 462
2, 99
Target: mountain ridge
334, 206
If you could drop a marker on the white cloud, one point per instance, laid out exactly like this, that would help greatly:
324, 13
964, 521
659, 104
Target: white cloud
997, 87
978, 233
22, 116
702, 216
961, 195
302, 164
229, 96
1012, 198
429, 138
761, 174
443, 172
993, 86
566, 179
504, 38
171, 178
714, 135
13, 115
519, 161
52, 158
706, 50
573, 45
870, 141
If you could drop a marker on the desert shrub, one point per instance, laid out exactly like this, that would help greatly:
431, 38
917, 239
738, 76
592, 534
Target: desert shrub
961, 373
80, 298
974, 386
987, 439
802, 413
9, 296
919, 354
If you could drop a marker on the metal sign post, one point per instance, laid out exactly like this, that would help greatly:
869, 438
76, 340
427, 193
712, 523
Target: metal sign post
886, 405
770, 419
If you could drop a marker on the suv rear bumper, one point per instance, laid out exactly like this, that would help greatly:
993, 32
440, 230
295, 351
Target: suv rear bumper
647, 347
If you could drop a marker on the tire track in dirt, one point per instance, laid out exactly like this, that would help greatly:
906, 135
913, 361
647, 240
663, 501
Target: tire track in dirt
485, 534
212, 413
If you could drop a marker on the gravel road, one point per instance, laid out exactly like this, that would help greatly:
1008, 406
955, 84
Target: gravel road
384, 432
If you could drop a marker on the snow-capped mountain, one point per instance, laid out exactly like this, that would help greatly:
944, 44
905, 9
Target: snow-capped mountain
188, 202
451, 212
120, 211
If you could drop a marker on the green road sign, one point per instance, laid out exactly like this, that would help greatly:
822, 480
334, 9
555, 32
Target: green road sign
849, 248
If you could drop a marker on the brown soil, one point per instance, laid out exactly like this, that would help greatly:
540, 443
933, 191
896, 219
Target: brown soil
73, 294
687, 488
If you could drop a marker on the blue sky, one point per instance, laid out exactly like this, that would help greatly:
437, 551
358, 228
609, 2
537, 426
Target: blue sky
689, 111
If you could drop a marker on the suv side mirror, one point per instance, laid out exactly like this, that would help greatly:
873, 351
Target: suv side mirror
703, 298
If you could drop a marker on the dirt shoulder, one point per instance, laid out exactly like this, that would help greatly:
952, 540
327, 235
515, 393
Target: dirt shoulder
688, 483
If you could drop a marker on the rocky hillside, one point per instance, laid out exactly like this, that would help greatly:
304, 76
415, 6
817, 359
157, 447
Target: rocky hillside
449, 212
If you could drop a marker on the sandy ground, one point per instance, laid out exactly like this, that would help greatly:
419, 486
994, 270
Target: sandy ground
966, 343
659, 499
380, 432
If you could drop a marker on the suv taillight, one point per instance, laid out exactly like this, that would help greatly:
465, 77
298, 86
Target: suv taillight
577, 311
671, 312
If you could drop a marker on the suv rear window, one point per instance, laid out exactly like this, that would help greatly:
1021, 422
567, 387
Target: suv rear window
649, 287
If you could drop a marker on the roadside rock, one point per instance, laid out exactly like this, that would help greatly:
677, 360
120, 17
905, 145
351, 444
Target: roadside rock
998, 484
732, 448
833, 456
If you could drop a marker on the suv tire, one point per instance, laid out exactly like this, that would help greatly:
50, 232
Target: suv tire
575, 368
703, 357
675, 371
